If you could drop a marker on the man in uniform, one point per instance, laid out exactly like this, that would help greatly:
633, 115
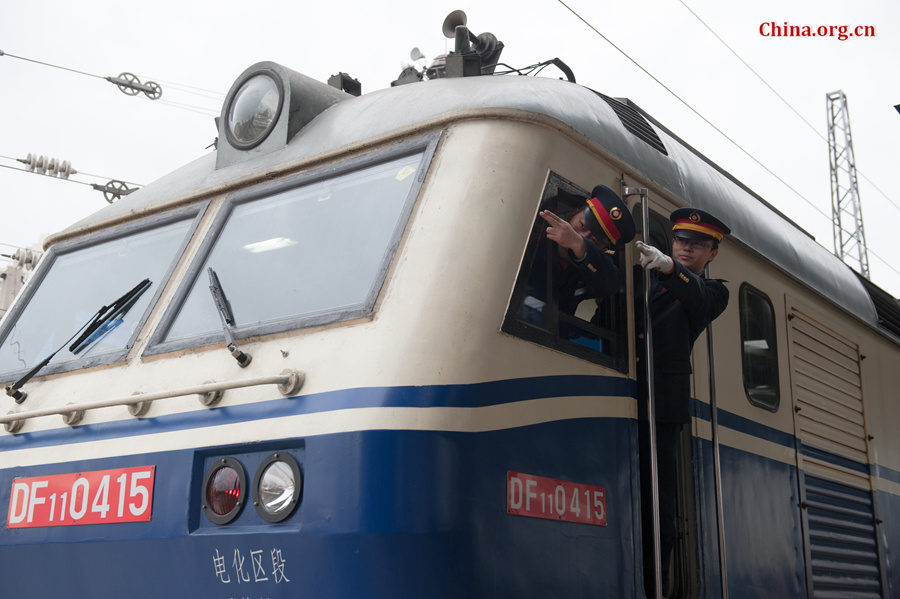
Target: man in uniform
589, 236
582, 265
682, 304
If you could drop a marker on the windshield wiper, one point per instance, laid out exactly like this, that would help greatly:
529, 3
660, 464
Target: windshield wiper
109, 318
105, 320
227, 316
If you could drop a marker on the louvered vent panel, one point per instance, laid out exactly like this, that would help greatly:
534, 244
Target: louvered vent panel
827, 390
635, 123
839, 515
842, 542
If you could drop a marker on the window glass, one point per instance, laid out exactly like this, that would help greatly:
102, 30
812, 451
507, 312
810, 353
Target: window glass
308, 255
552, 304
75, 284
758, 349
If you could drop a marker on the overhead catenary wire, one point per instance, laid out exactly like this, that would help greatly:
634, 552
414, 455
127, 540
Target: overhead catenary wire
6, 256
711, 124
45, 175
179, 105
112, 190
190, 89
191, 107
695, 111
11, 245
79, 172
47, 64
812, 127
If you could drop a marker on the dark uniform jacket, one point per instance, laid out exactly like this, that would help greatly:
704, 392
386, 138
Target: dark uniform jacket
682, 304
596, 271
595, 276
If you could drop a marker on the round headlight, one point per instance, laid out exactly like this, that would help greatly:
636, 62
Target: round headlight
277, 487
224, 489
254, 110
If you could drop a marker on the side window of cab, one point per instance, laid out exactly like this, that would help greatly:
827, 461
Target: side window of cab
553, 306
759, 349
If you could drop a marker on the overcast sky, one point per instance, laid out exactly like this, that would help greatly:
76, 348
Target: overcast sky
195, 50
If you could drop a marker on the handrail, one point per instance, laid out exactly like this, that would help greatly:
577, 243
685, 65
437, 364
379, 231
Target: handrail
651, 394
289, 382
717, 458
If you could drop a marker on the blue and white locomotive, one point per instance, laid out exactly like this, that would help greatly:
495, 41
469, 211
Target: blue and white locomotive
388, 422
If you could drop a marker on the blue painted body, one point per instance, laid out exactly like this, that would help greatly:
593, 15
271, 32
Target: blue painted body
763, 533
888, 504
383, 514
763, 527
411, 513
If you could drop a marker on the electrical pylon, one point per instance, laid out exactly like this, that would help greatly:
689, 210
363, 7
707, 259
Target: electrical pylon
846, 211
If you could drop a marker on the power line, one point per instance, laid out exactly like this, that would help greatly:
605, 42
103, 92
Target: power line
22, 170
694, 110
708, 122
190, 89
130, 85
47, 64
10, 245
883, 261
77, 172
112, 190
812, 127
191, 107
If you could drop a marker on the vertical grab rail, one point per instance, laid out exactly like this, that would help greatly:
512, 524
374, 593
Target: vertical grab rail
651, 404
717, 464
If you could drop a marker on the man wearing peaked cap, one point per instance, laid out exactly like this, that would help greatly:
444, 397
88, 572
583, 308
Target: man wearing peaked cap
586, 238
683, 303
606, 215
603, 223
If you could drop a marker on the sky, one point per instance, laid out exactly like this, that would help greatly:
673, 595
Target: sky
196, 49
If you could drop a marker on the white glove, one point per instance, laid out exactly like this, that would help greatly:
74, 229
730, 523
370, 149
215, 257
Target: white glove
653, 259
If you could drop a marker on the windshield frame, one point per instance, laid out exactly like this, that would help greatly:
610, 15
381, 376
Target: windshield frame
426, 146
193, 213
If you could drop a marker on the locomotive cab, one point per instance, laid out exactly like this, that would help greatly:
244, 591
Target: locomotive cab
344, 317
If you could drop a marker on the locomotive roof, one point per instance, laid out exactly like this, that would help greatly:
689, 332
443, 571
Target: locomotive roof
416, 107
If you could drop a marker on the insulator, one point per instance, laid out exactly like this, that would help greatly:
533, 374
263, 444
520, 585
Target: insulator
26, 258
65, 169
47, 166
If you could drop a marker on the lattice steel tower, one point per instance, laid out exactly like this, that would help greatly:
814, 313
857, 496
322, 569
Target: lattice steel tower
846, 211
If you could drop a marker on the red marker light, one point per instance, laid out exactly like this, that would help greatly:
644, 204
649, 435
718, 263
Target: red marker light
223, 490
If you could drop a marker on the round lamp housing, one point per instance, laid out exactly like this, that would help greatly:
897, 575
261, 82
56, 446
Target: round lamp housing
277, 487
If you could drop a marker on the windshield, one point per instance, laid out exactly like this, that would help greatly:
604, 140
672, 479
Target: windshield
77, 283
308, 255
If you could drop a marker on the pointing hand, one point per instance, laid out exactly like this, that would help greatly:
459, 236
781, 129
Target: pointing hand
564, 234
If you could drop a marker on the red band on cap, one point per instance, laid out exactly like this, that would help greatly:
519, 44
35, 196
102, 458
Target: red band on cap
705, 228
602, 216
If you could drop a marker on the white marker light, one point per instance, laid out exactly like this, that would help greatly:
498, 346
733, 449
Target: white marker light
277, 487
